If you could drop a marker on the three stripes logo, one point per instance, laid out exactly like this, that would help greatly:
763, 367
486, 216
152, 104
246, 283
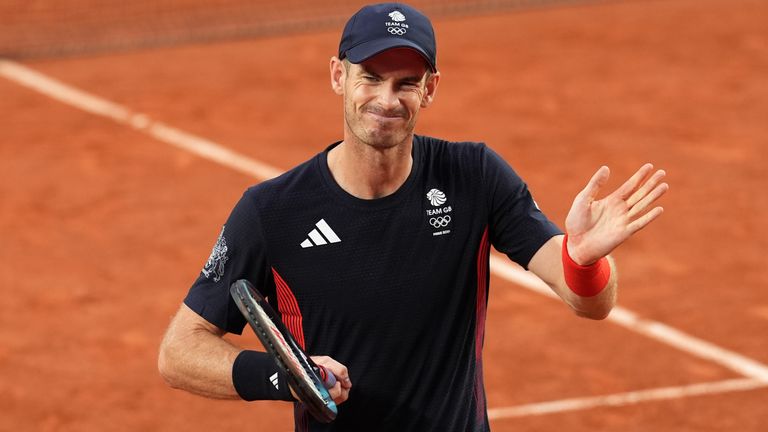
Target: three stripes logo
321, 235
273, 380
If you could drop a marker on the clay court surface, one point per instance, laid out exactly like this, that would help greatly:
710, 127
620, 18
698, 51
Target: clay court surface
105, 226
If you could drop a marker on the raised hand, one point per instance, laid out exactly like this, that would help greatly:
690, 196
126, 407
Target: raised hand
596, 227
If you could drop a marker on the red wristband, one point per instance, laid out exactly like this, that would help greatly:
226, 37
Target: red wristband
586, 281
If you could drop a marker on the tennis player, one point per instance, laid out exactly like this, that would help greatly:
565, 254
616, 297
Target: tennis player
375, 251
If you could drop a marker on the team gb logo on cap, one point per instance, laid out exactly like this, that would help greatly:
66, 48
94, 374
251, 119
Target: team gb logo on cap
397, 26
397, 16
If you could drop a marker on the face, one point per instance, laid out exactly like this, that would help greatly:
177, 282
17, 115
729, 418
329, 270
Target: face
383, 95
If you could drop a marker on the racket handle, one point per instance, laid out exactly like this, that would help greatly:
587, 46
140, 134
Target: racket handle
329, 379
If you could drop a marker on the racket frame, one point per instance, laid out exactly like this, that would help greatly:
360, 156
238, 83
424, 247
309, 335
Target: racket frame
303, 374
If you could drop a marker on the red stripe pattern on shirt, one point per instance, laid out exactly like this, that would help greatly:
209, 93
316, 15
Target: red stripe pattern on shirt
480, 311
289, 309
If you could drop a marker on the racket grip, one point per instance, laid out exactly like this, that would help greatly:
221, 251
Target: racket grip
329, 379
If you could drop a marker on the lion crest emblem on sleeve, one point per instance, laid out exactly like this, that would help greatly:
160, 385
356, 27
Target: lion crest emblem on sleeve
214, 267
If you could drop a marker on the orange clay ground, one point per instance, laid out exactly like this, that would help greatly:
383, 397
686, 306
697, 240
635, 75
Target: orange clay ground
104, 228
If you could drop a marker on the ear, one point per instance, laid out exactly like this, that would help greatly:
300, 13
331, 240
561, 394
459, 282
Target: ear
431, 85
338, 75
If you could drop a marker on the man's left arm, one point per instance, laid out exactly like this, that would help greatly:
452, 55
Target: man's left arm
577, 266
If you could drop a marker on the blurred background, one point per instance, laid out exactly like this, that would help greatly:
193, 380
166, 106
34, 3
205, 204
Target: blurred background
111, 195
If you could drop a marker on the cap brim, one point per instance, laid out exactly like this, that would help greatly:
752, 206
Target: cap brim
366, 50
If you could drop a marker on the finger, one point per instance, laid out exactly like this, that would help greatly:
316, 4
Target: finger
328, 377
597, 181
338, 393
338, 369
649, 199
644, 220
646, 187
632, 184
342, 396
346, 382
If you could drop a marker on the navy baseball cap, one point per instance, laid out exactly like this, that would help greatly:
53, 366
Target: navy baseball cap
379, 27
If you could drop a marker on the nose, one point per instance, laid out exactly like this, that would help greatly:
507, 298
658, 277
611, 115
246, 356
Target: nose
388, 97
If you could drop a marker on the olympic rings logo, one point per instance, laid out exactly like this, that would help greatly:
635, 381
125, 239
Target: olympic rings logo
396, 30
440, 222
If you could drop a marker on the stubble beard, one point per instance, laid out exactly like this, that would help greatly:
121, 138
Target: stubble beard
374, 134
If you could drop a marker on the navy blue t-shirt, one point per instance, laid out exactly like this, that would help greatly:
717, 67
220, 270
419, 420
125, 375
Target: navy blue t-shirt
394, 288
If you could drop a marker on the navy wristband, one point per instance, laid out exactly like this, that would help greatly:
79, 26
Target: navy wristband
256, 377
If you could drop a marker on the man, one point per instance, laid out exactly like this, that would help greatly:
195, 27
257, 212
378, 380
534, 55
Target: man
378, 247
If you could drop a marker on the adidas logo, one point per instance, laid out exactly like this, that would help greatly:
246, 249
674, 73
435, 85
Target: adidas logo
273, 380
317, 239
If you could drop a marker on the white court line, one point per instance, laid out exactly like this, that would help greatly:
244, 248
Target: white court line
623, 399
206, 149
646, 327
101, 107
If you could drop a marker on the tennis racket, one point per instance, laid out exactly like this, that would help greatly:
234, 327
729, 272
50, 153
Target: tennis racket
308, 380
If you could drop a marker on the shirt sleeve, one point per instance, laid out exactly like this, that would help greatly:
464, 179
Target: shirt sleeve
238, 253
517, 227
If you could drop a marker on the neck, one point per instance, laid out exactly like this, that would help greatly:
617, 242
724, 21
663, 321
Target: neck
368, 172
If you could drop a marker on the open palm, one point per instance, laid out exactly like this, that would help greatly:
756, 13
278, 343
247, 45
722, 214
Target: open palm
596, 227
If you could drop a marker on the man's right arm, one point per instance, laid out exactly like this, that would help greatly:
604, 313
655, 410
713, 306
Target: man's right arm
194, 357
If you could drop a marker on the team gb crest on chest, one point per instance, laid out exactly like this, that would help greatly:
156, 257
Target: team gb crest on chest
439, 214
